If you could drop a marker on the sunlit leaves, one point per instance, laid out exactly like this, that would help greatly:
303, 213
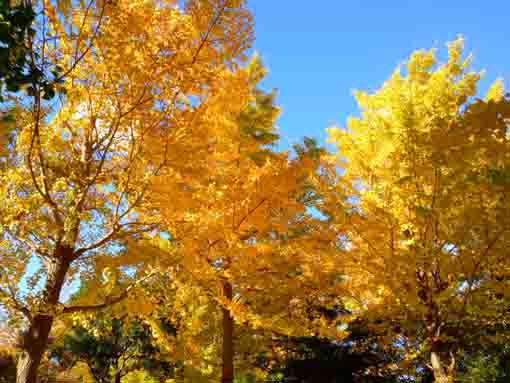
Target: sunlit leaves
427, 165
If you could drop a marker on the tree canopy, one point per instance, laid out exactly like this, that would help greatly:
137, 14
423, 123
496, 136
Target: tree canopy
140, 162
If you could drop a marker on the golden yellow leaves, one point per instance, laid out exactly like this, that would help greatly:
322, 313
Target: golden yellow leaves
234, 211
426, 173
495, 91
419, 65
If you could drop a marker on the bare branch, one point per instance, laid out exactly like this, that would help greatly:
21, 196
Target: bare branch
250, 212
107, 238
109, 301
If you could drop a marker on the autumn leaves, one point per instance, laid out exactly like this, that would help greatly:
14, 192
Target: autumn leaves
152, 179
433, 225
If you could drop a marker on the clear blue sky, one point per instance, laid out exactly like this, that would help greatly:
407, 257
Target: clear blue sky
318, 52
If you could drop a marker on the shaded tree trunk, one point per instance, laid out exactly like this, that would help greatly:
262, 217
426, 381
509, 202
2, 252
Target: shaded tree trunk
228, 339
440, 375
430, 287
35, 339
443, 373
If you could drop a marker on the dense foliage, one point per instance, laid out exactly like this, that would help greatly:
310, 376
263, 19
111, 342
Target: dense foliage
112, 348
140, 161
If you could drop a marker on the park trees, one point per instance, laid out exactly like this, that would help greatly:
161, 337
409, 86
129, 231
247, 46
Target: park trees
428, 167
240, 216
112, 348
141, 120
74, 174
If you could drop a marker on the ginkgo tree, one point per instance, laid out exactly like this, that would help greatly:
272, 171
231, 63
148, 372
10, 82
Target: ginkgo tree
240, 219
73, 173
427, 165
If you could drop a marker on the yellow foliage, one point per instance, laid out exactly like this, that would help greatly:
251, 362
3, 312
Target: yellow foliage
428, 170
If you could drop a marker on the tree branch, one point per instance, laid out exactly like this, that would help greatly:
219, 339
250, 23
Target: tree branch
109, 301
89, 47
14, 303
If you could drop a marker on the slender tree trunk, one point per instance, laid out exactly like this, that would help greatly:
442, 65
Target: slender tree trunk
228, 339
428, 289
35, 339
117, 377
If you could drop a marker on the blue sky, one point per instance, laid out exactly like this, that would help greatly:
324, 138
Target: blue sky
318, 52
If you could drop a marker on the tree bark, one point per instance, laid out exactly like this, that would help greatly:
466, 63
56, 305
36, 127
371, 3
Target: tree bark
438, 369
442, 373
228, 339
428, 289
35, 339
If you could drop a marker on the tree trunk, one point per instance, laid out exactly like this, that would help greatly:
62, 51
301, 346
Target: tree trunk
117, 377
440, 375
34, 345
228, 339
35, 339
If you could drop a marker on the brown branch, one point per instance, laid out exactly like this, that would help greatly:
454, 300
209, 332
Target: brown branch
44, 189
205, 38
109, 301
107, 238
116, 232
110, 136
250, 212
79, 35
89, 47
475, 270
